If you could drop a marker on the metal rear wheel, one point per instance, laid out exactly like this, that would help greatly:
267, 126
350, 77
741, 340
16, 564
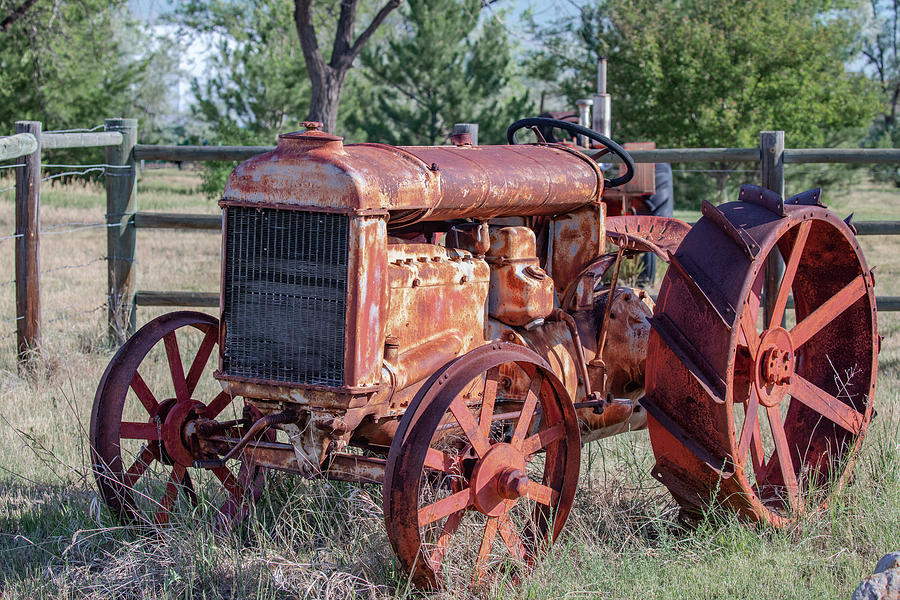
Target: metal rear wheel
478, 480
763, 418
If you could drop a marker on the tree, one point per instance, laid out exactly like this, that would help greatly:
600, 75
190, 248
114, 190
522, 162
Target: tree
12, 13
712, 73
881, 51
442, 66
327, 79
74, 63
256, 85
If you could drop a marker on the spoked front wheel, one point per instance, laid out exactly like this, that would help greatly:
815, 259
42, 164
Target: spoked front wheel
483, 468
151, 408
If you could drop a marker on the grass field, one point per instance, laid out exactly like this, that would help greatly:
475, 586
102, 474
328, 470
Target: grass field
326, 540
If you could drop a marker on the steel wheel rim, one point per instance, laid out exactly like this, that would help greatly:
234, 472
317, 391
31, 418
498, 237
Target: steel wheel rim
121, 387
423, 533
738, 471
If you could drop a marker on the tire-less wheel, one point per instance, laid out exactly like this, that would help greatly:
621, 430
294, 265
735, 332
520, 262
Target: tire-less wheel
764, 418
141, 443
482, 471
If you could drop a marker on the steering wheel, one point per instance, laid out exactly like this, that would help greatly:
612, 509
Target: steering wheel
609, 145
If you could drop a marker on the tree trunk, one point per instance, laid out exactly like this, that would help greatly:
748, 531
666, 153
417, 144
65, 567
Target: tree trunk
328, 79
326, 98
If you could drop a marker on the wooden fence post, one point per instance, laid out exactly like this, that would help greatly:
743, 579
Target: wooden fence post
121, 204
771, 151
28, 267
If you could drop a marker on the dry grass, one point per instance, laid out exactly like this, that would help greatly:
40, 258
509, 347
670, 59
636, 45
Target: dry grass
326, 540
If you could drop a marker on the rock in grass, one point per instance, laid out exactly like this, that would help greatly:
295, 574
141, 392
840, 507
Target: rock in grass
884, 584
888, 561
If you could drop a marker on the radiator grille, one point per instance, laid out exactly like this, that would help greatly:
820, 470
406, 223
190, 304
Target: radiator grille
285, 295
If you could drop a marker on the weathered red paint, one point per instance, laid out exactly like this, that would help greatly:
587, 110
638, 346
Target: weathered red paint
416, 183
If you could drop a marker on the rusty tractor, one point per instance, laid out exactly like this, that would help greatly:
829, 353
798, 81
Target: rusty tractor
448, 323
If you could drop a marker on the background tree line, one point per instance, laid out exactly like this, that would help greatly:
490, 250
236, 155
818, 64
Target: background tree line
699, 73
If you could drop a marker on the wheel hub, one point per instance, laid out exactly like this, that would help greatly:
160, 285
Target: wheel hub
512, 484
499, 480
774, 366
173, 431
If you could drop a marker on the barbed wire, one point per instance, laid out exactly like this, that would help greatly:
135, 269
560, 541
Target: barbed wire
72, 227
68, 173
78, 227
74, 266
75, 314
62, 268
96, 165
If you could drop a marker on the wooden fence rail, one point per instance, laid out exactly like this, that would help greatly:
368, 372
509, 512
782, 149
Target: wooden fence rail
18, 145
123, 218
670, 155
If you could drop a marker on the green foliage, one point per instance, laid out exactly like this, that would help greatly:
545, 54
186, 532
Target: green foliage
71, 64
256, 85
443, 65
882, 62
711, 73
714, 73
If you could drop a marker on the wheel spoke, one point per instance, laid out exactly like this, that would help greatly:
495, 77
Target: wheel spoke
199, 363
217, 405
487, 541
479, 441
828, 311
748, 328
230, 483
541, 493
527, 412
757, 455
168, 499
445, 506
440, 548
790, 270
785, 460
140, 465
487, 400
543, 438
142, 390
139, 431
511, 537
825, 404
751, 422
176, 368
187, 485
441, 461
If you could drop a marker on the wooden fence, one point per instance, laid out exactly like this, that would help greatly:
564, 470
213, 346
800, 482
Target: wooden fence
123, 219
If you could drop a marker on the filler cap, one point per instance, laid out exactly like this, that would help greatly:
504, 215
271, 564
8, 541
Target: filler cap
312, 137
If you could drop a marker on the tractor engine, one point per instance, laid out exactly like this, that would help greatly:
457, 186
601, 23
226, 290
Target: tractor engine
352, 273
